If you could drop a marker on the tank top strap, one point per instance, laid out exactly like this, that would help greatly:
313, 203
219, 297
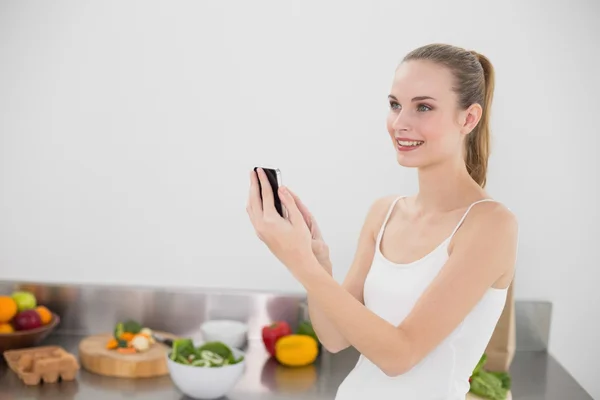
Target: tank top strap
387, 217
465, 215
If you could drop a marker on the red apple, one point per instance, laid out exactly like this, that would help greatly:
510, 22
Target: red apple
26, 320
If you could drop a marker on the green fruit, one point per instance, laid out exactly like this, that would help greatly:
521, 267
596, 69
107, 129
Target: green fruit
24, 300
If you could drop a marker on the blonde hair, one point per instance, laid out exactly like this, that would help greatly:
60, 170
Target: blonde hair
474, 83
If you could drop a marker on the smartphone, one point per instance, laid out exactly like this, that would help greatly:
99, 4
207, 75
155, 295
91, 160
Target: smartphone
274, 176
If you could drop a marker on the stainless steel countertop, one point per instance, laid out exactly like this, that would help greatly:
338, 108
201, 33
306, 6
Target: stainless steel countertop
536, 376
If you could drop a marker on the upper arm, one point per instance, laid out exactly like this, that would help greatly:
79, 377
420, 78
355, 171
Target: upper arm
365, 251
483, 254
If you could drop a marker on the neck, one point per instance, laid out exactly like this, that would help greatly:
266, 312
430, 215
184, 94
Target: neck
446, 186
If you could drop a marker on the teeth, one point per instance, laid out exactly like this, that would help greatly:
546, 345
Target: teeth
409, 143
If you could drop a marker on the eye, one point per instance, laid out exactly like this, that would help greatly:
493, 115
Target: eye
394, 105
423, 108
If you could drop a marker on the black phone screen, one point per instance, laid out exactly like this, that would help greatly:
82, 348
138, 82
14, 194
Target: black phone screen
272, 176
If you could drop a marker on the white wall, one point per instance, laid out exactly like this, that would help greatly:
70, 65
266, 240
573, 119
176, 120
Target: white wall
127, 130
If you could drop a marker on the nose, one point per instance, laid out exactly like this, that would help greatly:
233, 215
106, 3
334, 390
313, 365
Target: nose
400, 122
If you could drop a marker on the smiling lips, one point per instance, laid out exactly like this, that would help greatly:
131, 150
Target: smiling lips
408, 144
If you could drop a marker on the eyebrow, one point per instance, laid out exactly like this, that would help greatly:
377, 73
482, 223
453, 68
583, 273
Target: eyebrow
418, 98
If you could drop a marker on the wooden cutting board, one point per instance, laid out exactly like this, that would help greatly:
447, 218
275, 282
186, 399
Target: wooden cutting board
473, 397
96, 358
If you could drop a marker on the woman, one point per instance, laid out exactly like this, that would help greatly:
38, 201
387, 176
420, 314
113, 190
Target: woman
430, 275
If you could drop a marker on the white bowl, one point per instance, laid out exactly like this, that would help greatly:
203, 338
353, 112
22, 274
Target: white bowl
205, 382
232, 333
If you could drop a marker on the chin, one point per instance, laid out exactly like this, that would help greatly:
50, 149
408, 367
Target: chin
409, 161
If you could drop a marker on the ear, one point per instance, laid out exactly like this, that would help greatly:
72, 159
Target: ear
470, 118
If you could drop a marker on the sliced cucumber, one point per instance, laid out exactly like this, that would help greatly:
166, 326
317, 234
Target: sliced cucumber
213, 358
201, 363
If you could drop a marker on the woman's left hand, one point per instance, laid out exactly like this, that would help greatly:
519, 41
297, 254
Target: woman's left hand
288, 239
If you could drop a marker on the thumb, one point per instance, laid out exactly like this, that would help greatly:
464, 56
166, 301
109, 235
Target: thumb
288, 201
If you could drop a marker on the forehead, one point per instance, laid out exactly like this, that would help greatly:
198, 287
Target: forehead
422, 78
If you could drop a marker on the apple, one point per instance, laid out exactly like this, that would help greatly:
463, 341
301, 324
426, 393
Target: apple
26, 320
24, 300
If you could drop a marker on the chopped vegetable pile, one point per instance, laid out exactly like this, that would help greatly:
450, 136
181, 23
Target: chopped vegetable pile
489, 385
211, 354
130, 338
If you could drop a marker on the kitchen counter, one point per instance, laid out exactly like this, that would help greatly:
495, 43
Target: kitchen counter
536, 376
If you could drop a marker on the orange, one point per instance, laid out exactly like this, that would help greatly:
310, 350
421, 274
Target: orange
6, 328
8, 309
44, 313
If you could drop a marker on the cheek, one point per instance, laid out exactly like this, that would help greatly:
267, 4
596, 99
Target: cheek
432, 127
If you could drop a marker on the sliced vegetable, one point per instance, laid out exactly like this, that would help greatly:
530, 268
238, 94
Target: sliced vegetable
219, 348
149, 334
128, 336
140, 342
209, 355
201, 363
126, 350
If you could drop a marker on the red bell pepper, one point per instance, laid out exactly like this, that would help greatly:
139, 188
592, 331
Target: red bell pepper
272, 333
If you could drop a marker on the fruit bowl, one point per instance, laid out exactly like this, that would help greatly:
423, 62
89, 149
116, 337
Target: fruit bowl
27, 338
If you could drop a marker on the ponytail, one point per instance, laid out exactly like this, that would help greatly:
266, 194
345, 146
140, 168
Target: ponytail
478, 141
474, 75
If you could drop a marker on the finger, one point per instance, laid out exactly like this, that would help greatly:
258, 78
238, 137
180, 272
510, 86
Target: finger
299, 203
268, 203
294, 214
303, 209
312, 224
254, 203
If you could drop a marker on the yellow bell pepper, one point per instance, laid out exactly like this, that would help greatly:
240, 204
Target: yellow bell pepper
296, 350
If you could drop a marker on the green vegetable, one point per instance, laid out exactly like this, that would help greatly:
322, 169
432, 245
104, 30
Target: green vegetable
504, 378
118, 330
184, 348
306, 328
201, 363
488, 386
128, 326
480, 364
211, 357
132, 327
218, 348
211, 354
182, 360
122, 343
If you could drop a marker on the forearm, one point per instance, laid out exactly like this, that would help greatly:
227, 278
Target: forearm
326, 331
379, 341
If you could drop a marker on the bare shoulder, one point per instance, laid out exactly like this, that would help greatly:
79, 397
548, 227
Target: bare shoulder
492, 218
491, 228
378, 212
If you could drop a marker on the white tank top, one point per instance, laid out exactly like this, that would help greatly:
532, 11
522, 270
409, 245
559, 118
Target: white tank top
390, 291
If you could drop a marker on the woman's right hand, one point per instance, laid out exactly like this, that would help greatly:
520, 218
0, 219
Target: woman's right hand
319, 247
